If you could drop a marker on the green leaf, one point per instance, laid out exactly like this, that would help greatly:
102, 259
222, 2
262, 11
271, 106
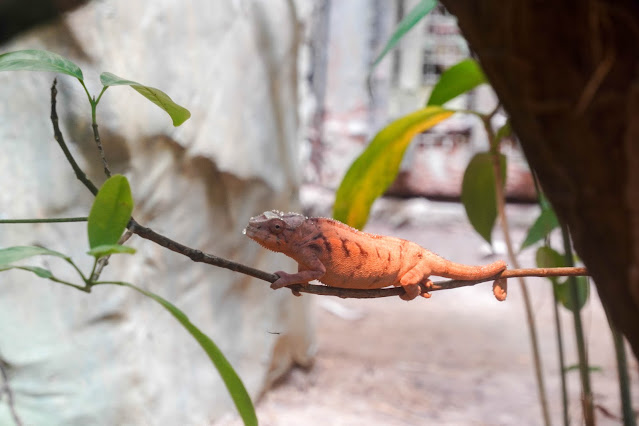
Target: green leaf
376, 168
110, 212
545, 223
546, 257
583, 291
478, 192
232, 381
39, 60
13, 254
41, 272
178, 113
591, 368
456, 80
405, 25
108, 249
549, 258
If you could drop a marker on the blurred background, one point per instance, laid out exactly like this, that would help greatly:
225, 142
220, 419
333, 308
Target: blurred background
281, 105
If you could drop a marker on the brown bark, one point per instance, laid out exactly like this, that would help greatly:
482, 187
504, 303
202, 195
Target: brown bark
566, 72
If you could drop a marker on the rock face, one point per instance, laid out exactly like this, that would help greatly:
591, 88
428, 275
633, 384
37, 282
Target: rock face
113, 356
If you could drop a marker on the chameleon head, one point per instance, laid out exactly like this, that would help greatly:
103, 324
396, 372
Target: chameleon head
273, 229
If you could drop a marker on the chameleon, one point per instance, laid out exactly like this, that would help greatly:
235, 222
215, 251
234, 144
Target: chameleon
340, 256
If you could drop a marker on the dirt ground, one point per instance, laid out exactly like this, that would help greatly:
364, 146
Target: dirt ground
459, 358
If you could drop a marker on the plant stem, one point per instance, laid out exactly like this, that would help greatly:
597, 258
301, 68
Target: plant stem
86, 289
52, 220
96, 134
562, 361
530, 318
57, 134
629, 418
584, 373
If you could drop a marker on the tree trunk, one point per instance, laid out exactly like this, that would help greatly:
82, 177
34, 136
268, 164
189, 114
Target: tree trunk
567, 74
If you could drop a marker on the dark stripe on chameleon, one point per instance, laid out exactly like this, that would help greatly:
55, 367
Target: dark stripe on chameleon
346, 251
315, 247
377, 251
361, 250
327, 245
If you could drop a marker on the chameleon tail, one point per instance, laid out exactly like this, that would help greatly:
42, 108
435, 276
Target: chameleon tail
457, 271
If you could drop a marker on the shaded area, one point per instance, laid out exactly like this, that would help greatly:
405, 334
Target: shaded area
18, 15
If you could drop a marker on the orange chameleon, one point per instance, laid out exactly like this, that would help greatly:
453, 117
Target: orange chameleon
340, 256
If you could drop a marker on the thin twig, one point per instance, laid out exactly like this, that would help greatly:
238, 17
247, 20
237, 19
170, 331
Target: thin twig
346, 293
57, 134
98, 142
50, 220
7, 390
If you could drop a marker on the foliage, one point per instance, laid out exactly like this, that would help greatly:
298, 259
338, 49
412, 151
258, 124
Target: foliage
376, 168
478, 192
109, 215
455, 81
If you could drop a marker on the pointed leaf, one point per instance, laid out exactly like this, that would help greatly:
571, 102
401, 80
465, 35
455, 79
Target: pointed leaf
13, 254
478, 193
178, 113
456, 80
41, 272
108, 249
232, 381
376, 168
406, 24
110, 212
39, 60
545, 223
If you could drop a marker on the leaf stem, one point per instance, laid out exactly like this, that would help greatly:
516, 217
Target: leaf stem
562, 361
86, 288
77, 269
584, 373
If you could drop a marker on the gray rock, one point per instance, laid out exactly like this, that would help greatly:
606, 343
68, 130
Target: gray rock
115, 357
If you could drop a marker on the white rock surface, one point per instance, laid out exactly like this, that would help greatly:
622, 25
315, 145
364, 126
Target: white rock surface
115, 357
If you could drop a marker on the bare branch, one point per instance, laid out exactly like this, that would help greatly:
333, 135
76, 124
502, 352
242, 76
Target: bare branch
346, 293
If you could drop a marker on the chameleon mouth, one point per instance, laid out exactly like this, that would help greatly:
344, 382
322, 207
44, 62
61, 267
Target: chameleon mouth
249, 231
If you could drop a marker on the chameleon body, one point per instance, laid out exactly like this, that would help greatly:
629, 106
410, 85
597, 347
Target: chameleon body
340, 256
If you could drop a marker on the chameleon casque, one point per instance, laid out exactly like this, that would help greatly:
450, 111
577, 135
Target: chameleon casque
340, 256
